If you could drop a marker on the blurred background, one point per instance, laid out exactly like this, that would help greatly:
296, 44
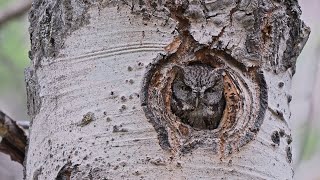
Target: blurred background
305, 106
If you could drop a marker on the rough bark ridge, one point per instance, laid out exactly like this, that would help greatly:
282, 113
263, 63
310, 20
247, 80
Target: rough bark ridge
78, 45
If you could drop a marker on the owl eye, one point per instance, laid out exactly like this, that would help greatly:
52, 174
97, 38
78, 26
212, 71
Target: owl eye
185, 88
209, 90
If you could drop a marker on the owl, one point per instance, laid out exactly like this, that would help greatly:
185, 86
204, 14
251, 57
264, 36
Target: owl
197, 96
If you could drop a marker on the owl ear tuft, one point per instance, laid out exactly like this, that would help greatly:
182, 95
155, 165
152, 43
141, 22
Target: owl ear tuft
179, 70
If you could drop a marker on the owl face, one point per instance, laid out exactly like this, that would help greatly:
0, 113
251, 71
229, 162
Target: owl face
198, 96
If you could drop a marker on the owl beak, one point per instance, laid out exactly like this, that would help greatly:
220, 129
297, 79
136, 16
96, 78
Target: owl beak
197, 94
197, 101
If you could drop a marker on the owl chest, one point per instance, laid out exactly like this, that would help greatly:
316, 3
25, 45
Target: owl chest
200, 118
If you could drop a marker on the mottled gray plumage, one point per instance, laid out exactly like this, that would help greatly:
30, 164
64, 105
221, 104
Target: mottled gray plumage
197, 96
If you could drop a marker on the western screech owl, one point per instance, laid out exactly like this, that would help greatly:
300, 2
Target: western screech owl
197, 96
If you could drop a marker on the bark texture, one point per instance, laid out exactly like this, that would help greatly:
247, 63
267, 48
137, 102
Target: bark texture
89, 59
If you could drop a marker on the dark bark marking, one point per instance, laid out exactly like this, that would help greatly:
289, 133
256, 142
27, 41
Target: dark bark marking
65, 172
37, 173
289, 154
275, 137
33, 93
292, 51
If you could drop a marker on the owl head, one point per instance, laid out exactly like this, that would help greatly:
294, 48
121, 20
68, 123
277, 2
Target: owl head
197, 95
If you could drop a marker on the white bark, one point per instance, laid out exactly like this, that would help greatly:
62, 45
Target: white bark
87, 117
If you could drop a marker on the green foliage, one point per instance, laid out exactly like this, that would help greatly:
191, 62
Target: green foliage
311, 144
14, 46
3, 3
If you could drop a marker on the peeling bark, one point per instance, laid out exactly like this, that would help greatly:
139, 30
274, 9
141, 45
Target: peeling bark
94, 120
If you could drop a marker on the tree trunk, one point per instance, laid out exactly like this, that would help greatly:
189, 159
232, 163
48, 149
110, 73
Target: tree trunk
101, 98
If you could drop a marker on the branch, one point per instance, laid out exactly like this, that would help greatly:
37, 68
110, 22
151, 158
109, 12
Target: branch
16, 10
24, 124
13, 139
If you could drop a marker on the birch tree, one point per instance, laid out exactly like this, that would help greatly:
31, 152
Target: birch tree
101, 88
